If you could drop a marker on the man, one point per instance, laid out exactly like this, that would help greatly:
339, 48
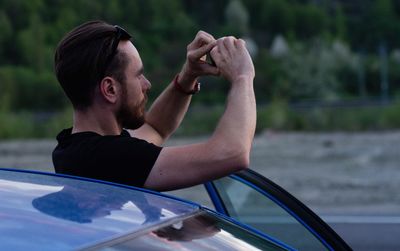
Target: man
101, 72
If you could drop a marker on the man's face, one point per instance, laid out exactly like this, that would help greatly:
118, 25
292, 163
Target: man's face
131, 112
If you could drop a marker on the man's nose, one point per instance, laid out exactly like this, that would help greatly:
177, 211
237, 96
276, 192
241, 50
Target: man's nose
146, 84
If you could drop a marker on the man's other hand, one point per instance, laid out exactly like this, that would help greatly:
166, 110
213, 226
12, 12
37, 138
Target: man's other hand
233, 60
196, 65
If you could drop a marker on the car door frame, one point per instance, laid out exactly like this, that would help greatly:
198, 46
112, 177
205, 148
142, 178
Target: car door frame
305, 216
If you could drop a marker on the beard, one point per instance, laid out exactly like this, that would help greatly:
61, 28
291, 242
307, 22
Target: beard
131, 116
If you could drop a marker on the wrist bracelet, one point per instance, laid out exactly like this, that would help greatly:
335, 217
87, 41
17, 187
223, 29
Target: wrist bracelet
177, 86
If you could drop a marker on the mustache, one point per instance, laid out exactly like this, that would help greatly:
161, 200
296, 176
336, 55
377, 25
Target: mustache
145, 99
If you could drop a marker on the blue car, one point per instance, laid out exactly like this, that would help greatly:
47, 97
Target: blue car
45, 211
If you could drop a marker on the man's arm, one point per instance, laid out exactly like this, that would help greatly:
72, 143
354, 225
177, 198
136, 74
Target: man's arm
228, 150
169, 109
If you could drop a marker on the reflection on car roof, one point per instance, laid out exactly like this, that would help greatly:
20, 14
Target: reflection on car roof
60, 213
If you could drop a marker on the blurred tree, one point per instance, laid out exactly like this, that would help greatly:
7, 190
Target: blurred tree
7, 90
269, 18
237, 18
383, 24
340, 29
162, 29
277, 17
310, 21
6, 32
207, 14
31, 43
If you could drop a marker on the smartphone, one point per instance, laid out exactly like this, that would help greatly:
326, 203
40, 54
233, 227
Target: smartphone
210, 60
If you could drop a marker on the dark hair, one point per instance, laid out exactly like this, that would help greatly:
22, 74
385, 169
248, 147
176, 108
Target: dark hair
81, 61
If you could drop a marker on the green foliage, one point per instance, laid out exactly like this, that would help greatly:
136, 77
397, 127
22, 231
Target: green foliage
386, 27
237, 19
316, 66
162, 29
16, 125
23, 88
279, 116
340, 28
308, 72
56, 123
5, 27
200, 120
310, 21
33, 125
274, 116
391, 116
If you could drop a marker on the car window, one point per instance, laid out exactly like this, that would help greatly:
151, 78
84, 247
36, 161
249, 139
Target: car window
196, 194
202, 231
249, 206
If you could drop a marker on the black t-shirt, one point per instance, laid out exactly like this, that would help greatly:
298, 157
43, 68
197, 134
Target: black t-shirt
116, 158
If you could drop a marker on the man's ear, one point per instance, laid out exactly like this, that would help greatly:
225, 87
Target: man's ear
109, 89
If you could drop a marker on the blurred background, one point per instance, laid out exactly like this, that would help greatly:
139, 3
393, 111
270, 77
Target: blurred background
321, 65
327, 86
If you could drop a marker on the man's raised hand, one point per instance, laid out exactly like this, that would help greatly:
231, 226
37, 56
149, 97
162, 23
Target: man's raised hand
232, 59
196, 65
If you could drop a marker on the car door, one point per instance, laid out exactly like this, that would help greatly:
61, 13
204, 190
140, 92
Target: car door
256, 201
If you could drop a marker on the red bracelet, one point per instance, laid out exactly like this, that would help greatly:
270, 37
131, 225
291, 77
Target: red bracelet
195, 90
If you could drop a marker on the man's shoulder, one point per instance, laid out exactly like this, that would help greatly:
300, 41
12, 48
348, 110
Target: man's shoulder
66, 135
94, 142
117, 158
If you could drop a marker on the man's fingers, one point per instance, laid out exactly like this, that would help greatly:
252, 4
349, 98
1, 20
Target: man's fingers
195, 55
204, 36
229, 43
215, 55
201, 39
208, 69
221, 46
240, 42
197, 52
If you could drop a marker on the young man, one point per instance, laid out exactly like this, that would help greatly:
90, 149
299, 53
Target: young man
114, 139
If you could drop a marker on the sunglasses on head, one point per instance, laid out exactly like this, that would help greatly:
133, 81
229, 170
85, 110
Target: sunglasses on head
121, 34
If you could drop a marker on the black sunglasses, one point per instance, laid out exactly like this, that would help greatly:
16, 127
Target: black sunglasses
121, 34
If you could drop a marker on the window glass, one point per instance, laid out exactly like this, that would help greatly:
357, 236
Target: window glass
196, 194
203, 231
247, 205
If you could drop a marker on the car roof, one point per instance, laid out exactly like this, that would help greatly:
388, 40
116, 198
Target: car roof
43, 211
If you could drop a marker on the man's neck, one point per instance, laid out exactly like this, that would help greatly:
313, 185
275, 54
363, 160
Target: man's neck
101, 121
